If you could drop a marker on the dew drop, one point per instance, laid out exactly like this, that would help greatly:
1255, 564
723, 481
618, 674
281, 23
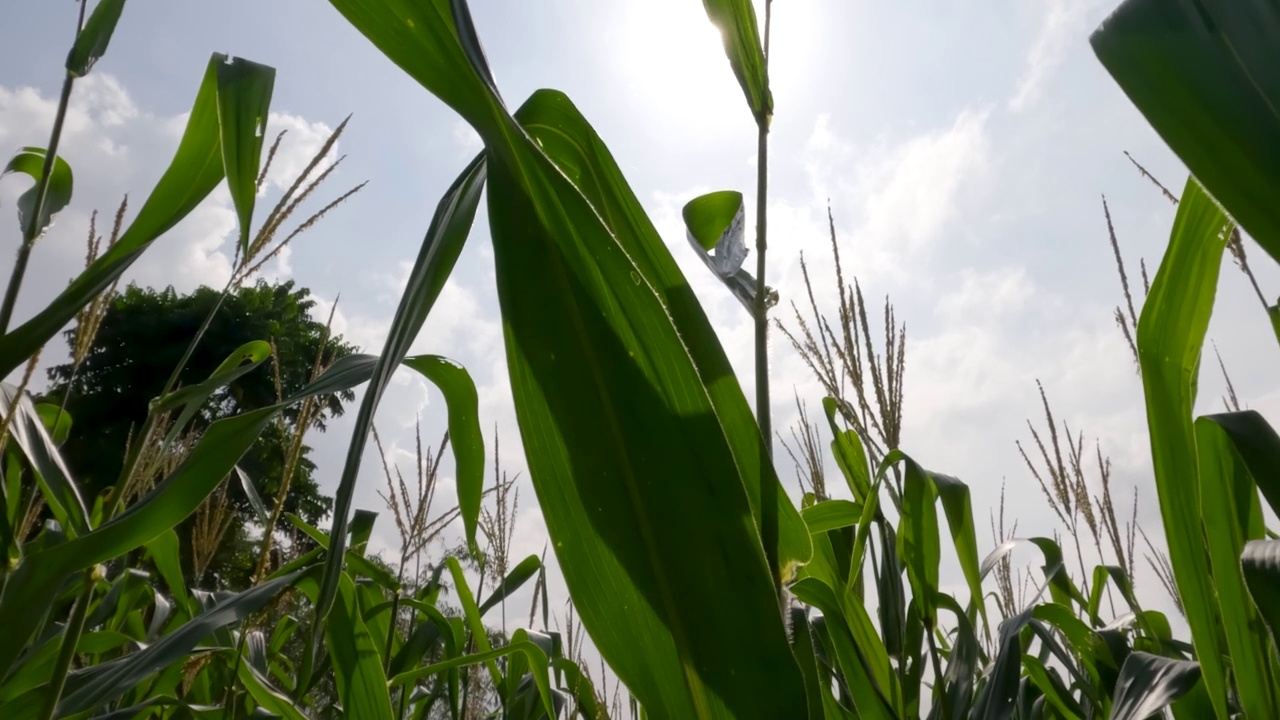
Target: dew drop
635, 277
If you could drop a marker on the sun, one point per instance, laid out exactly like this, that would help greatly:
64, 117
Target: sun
672, 59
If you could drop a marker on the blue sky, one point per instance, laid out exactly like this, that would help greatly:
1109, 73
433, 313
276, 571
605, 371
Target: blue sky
963, 146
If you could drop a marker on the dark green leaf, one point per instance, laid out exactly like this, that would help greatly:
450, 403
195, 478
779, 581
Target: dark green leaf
850, 455
464, 432
1206, 75
576, 306
569, 141
92, 41
30, 161
1149, 683
244, 99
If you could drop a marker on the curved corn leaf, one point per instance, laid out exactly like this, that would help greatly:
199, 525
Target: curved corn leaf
30, 161
715, 229
736, 21
1206, 75
1225, 485
244, 99
1171, 333
518, 576
436, 257
91, 44
569, 141
465, 434
196, 169
1149, 683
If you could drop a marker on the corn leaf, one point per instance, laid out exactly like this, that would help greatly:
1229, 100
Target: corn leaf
736, 21
56, 485
715, 228
831, 515
1260, 563
581, 317
572, 144
1227, 529
244, 99
1171, 333
436, 257
1206, 75
465, 434
196, 169
91, 44
360, 680
1149, 683
30, 161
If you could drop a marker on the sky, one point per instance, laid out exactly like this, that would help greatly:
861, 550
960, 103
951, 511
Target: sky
963, 148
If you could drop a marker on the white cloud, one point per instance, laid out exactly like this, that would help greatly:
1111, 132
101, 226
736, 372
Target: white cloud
1063, 24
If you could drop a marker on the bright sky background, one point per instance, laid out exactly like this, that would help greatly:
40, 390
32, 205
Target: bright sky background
964, 147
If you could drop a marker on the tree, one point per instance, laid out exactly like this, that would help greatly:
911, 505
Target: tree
142, 337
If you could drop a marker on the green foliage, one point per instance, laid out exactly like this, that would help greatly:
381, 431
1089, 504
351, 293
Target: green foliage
656, 482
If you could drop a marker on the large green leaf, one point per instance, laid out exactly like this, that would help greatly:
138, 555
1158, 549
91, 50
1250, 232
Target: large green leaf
566, 137
1206, 75
1149, 683
30, 161
244, 99
736, 21
643, 496
436, 257
1171, 333
91, 43
465, 434
859, 670
195, 171
518, 576
1222, 471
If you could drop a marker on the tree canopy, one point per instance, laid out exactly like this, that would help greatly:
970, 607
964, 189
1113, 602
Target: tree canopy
143, 336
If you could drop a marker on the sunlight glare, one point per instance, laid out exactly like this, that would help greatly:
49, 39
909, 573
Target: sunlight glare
673, 62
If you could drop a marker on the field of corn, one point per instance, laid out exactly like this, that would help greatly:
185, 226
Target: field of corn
705, 588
